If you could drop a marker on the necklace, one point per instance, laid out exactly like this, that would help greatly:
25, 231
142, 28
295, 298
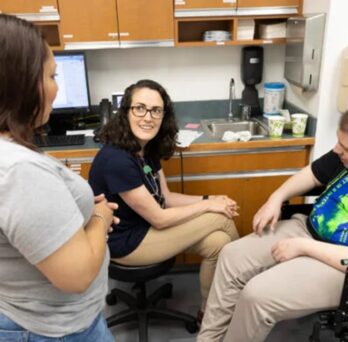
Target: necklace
152, 182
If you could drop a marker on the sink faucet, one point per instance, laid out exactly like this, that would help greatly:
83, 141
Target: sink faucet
232, 98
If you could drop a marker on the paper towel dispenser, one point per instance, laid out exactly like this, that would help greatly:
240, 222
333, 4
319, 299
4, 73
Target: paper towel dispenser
342, 101
304, 39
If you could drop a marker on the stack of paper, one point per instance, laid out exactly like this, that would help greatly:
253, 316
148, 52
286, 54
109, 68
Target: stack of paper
246, 29
273, 30
185, 137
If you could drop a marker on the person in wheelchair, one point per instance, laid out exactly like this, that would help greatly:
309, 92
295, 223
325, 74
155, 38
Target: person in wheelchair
284, 269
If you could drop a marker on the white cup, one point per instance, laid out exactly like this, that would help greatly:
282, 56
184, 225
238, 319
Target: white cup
276, 125
298, 124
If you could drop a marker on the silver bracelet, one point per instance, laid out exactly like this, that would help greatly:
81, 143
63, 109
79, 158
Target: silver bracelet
102, 218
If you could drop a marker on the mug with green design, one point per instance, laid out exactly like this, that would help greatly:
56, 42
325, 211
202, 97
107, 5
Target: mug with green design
276, 125
298, 124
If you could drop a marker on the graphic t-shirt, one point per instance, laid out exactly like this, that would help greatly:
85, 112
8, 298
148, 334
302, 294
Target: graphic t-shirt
329, 217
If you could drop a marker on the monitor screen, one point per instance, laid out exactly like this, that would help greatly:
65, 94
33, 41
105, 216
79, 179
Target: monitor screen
73, 92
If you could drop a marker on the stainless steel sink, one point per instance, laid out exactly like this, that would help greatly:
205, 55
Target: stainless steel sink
215, 128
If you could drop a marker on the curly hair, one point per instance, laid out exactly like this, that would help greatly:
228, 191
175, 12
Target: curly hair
118, 132
22, 56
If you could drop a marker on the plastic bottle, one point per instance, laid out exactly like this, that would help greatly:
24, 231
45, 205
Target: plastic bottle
274, 98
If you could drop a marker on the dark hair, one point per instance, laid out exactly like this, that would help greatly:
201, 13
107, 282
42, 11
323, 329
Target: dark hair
22, 55
343, 123
118, 132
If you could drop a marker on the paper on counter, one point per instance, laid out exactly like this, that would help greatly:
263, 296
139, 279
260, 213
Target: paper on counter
86, 132
186, 137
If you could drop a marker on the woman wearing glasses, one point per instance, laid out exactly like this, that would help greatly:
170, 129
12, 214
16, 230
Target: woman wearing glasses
156, 224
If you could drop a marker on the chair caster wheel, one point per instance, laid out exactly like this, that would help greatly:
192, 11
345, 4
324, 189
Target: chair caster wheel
168, 291
191, 327
111, 299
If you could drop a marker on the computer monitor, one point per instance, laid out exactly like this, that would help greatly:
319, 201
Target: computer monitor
73, 93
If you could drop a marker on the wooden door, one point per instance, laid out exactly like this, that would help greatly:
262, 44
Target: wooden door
230, 187
268, 3
28, 6
88, 21
145, 20
256, 192
201, 4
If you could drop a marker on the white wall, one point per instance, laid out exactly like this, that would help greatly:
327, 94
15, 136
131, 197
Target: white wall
323, 103
188, 74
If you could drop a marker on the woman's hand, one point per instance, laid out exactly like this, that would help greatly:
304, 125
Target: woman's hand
113, 206
288, 249
223, 205
268, 214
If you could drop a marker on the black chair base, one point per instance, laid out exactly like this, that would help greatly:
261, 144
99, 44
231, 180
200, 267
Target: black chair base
140, 307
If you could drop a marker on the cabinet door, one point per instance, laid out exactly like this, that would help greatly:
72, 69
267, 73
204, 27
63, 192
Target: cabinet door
201, 4
204, 8
230, 187
88, 21
267, 3
25, 6
264, 7
146, 22
256, 192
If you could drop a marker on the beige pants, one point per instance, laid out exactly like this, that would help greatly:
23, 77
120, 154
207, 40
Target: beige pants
204, 235
251, 292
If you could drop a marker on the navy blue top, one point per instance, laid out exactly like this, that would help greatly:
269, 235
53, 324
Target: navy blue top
113, 171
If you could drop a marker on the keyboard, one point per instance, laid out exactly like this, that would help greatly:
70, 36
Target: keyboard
59, 140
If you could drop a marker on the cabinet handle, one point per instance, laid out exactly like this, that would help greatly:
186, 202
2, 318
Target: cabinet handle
76, 168
113, 34
124, 34
68, 36
180, 2
48, 9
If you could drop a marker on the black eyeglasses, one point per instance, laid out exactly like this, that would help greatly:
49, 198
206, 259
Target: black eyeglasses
140, 111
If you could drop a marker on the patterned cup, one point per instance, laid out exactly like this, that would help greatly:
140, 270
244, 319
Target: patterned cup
276, 125
298, 124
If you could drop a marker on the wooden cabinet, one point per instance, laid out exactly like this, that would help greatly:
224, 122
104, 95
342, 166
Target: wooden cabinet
91, 24
44, 13
194, 18
115, 23
31, 10
204, 8
248, 177
146, 23
256, 7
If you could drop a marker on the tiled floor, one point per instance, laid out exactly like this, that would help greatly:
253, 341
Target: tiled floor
187, 298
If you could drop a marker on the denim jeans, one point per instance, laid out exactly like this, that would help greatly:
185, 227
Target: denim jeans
12, 332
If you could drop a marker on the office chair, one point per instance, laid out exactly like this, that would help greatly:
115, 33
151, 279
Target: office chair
335, 320
140, 306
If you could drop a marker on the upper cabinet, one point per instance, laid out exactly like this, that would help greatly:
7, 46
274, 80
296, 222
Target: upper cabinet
269, 7
93, 24
146, 22
44, 13
204, 8
89, 24
243, 22
34, 10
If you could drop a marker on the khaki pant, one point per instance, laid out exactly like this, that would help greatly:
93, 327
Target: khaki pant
251, 292
204, 235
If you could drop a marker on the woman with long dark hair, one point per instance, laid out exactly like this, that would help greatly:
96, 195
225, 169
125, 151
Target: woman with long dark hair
156, 224
53, 255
